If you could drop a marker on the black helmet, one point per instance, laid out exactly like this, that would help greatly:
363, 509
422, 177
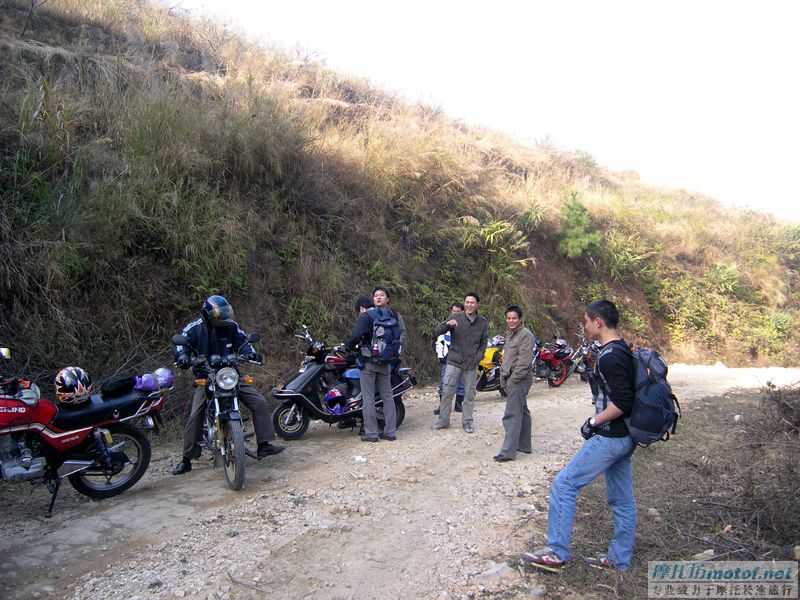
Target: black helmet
217, 310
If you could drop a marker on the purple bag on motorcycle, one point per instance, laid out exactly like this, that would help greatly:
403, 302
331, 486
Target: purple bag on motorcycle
146, 383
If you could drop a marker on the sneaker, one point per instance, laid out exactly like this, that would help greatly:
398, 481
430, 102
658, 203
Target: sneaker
267, 449
544, 559
600, 562
503, 458
365, 438
469, 428
439, 426
182, 467
388, 438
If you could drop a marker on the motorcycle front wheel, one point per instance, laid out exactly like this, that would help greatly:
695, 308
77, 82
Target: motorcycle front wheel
233, 460
130, 457
290, 421
559, 376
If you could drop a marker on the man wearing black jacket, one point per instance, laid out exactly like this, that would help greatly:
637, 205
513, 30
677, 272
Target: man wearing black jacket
607, 451
215, 332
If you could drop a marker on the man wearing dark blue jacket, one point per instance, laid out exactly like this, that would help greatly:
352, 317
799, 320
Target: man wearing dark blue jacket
376, 370
215, 332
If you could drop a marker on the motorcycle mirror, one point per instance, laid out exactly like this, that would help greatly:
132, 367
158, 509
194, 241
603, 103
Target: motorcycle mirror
6, 353
254, 337
180, 340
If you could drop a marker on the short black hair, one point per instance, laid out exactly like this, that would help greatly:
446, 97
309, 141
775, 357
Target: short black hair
385, 290
515, 309
457, 305
605, 310
363, 302
474, 295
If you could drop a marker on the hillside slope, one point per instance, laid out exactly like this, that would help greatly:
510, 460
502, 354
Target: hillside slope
148, 159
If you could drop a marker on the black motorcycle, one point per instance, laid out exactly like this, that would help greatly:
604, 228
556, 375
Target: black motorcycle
327, 387
223, 428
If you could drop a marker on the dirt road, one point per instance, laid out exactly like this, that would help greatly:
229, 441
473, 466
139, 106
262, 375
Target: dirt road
429, 516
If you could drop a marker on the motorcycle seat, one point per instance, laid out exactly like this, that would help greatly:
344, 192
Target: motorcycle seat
99, 410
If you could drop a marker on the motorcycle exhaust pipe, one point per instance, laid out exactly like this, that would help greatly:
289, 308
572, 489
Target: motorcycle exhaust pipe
81, 465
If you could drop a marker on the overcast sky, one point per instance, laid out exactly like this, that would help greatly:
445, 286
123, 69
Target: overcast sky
702, 95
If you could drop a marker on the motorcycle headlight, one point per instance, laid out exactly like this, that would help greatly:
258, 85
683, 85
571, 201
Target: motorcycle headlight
227, 378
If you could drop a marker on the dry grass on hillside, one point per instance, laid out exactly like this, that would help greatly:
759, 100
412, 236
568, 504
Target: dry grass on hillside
194, 160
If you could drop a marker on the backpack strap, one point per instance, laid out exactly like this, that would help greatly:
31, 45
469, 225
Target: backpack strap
606, 389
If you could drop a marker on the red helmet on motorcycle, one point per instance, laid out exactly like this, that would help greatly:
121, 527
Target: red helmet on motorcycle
73, 386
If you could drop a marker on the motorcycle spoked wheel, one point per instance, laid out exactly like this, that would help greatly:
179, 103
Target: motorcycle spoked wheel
233, 459
129, 463
288, 426
559, 377
400, 410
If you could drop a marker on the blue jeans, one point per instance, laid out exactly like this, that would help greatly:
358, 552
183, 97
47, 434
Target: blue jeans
598, 455
459, 390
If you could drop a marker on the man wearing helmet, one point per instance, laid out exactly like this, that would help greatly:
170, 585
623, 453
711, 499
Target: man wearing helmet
215, 332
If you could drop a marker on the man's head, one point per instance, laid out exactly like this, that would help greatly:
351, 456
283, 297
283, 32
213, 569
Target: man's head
471, 302
363, 304
513, 317
217, 310
456, 308
380, 296
601, 320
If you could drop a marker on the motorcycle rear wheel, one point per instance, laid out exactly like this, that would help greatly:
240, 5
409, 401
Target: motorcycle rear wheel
400, 410
290, 426
233, 460
129, 463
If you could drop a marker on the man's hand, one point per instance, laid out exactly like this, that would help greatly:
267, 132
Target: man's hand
183, 361
588, 429
451, 323
255, 357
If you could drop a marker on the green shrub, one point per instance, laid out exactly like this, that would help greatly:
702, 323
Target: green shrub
576, 237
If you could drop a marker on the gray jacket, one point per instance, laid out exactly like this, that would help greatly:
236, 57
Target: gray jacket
468, 340
517, 354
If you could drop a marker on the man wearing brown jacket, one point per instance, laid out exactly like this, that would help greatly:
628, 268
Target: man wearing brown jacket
516, 378
468, 331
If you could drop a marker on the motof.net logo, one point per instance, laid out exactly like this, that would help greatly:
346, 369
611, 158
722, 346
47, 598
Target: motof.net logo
722, 579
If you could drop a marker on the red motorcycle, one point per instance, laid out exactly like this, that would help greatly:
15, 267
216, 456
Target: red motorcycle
556, 361
94, 444
552, 361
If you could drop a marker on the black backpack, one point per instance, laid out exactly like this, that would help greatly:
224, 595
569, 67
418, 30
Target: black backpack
653, 418
385, 344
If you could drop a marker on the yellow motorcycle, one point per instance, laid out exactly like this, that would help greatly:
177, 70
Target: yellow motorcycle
489, 368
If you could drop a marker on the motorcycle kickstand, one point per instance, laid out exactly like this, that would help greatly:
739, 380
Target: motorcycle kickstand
251, 454
53, 494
